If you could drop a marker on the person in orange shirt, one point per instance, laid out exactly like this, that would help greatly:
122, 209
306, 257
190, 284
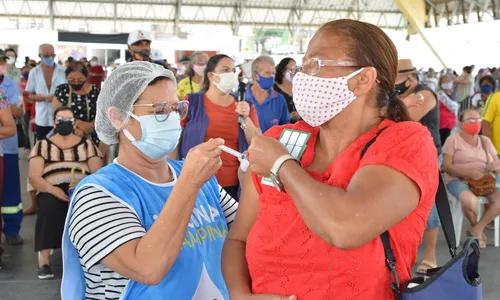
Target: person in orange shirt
214, 113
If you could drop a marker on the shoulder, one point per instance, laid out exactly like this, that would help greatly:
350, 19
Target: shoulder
406, 136
275, 131
62, 87
183, 82
496, 96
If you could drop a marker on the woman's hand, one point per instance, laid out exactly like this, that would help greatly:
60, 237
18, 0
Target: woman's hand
59, 193
476, 175
494, 166
264, 151
243, 109
202, 162
413, 100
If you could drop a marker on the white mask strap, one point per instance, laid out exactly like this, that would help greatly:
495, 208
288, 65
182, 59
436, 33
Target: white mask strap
126, 132
354, 73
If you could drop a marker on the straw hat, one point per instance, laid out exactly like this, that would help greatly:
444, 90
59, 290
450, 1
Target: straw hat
405, 66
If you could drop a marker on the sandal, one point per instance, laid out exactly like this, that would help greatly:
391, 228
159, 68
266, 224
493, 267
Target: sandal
424, 266
482, 242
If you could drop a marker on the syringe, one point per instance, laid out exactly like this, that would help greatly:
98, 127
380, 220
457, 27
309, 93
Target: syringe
242, 158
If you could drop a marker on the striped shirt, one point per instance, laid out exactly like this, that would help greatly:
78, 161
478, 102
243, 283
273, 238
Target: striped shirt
100, 224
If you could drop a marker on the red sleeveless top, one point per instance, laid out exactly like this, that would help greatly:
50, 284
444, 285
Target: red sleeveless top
284, 257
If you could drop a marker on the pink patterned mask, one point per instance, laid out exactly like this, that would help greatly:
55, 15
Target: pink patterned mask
318, 100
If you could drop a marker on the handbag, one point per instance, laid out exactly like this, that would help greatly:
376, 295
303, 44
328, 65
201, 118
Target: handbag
457, 279
486, 184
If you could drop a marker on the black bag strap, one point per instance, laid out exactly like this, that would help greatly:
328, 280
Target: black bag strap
445, 217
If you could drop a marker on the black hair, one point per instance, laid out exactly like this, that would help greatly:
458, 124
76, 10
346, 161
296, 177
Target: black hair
211, 65
490, 79
281, 67
77, 66
12, 50
63, 108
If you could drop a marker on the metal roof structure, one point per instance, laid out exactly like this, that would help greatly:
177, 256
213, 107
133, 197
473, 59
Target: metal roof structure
169, 15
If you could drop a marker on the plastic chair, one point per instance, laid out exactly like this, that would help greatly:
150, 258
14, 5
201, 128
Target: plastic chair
458, 217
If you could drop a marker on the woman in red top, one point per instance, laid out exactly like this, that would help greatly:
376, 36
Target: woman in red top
318, 237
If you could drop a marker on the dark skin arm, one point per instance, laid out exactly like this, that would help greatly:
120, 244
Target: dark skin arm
8, 127
418, 112
234, 263
486, 128
346, 219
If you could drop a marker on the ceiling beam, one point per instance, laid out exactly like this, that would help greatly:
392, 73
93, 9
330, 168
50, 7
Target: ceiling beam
181, 21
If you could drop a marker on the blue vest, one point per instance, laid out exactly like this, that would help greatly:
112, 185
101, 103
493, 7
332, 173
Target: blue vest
196, 129
196, 273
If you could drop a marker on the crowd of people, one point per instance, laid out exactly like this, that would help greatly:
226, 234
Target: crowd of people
121, 161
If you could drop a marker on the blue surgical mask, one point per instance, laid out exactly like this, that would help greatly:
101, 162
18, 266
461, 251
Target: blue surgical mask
288, 76
266, 83
48, 61
487, 89
158, 138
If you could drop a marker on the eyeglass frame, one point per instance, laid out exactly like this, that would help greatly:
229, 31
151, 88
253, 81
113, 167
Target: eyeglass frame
167, 105
325, 63
472, 120
59, 119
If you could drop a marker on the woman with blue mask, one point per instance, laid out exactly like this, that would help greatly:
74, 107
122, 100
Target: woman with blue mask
144, 227
271, 106
487, 86
283, 85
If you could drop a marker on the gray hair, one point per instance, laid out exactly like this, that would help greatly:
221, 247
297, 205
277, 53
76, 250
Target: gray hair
259, 60
43, 45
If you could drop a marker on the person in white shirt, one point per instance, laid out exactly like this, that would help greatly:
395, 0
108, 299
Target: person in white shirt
41, 85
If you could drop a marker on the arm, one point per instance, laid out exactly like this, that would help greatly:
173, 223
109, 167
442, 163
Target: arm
252, 122
56, 103
449, 168
489, 114
149, 259
462, 80
94, 163
351, 218
418, 112
8, 127
234, 263
251, 130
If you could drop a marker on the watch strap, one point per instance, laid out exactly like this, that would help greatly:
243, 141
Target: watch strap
280, 161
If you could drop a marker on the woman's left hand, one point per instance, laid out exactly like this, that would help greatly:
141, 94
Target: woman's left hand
242, 108
264, 151
494, 166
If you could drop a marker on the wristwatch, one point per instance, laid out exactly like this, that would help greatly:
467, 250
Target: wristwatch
275, 179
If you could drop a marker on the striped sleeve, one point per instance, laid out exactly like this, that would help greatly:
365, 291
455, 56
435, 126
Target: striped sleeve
229, 205
99, 224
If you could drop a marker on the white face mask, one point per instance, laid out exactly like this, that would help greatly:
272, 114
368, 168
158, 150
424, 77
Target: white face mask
228, 82
199, 69
447, 85
11, 60
93, 63
288, 76
318, 100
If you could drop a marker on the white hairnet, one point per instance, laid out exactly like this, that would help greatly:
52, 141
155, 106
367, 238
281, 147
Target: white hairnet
120, 90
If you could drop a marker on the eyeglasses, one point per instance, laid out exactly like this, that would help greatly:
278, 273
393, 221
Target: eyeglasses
472, 121
312, 66
163, 109
60, 119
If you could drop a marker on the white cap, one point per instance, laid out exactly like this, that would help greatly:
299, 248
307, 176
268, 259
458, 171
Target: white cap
138, 35
156, 55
